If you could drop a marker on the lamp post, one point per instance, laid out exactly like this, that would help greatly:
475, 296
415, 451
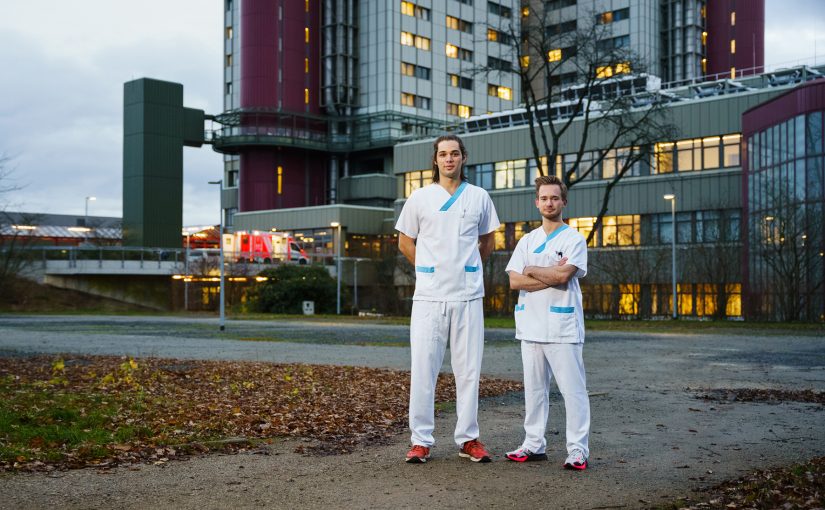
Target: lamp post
220, 246
86, 213
337, 225
672, 198
186, 274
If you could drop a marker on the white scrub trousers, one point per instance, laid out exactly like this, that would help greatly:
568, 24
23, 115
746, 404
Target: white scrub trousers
432, 325
541, 362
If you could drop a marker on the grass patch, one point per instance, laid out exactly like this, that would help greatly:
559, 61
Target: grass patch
83, 411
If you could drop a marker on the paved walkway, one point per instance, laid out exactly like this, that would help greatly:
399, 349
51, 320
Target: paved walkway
652, 440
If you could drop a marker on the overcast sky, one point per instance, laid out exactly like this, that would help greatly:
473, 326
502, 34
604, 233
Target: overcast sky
61, 91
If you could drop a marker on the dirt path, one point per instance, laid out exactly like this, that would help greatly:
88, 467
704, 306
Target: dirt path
652, 440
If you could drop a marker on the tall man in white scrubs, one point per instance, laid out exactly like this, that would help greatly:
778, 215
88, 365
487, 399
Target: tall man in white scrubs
446, 231
545, 268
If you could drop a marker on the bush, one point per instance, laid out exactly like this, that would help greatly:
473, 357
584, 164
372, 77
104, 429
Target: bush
289, 285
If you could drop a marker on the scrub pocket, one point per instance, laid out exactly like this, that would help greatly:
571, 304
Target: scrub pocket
561, 322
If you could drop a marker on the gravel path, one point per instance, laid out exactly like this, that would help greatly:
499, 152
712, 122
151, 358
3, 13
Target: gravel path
652, 440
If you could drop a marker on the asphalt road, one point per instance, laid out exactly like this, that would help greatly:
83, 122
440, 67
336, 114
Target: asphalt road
652, 439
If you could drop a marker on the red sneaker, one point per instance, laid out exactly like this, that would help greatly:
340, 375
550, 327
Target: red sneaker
418, 454
475, 451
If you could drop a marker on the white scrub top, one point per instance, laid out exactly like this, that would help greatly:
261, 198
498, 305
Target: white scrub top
446, 229
554, 314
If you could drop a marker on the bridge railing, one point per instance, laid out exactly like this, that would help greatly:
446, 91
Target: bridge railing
145, 257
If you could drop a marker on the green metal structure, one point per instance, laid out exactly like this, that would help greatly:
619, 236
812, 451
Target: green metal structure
156, 127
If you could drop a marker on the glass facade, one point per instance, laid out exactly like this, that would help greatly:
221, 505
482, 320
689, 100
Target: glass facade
785, 219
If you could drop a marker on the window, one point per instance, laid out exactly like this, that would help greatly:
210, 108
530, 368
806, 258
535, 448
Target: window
415, 180
306, 65
615, 161
525, 61
306, 35
732, 46
415, 71
730, 150
584, 227
459, 24
461, 82
408, 39
410, 9
499, 10
229, 32
608, 17
481, 175
499, 64
733, 18
229, 87
466, 2
306, 96
407, 99
497, 36
710, 152
621, 230
560, 28
456, 52
229, 60
688, 155
511, 174
558, 4
459, 110
502, 92
663, 157
554, 55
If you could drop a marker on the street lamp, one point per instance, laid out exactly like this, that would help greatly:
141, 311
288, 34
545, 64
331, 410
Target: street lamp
337, 225
672, 198
220, 245
86, 215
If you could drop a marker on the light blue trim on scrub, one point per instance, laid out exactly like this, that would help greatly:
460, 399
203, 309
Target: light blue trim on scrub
549, 237
519, 308
562, 309
453, 198
470, 269
424, 269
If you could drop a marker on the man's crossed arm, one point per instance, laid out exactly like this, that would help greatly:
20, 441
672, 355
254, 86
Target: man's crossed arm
535, 278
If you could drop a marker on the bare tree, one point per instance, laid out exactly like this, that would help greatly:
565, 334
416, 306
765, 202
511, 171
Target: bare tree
634, 268
611, 102
786, 245
14, 241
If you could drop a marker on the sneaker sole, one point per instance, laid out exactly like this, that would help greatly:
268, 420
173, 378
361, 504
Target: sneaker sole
575, 467
416, 460
529, 458
474, 459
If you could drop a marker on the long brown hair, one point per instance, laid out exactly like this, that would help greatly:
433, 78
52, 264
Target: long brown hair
449, 138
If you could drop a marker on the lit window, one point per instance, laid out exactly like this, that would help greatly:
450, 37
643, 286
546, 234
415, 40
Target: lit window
408, 8
461, 81
229, 32
280, 178
306, 65
584, 226
306, 35
452, 51
733, 46
407, 99
306, 96
730, 150
704, 38
459, 110
732, 72
306, 5
505, 93
415, 180
229, 60
663, 153
525, 61
604, 72
704, 65
733, 18
525, 12
492, 35
407, 39
407, 69
622, 68
710, 152
452, 22
554, 55
606, 18
422, 43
